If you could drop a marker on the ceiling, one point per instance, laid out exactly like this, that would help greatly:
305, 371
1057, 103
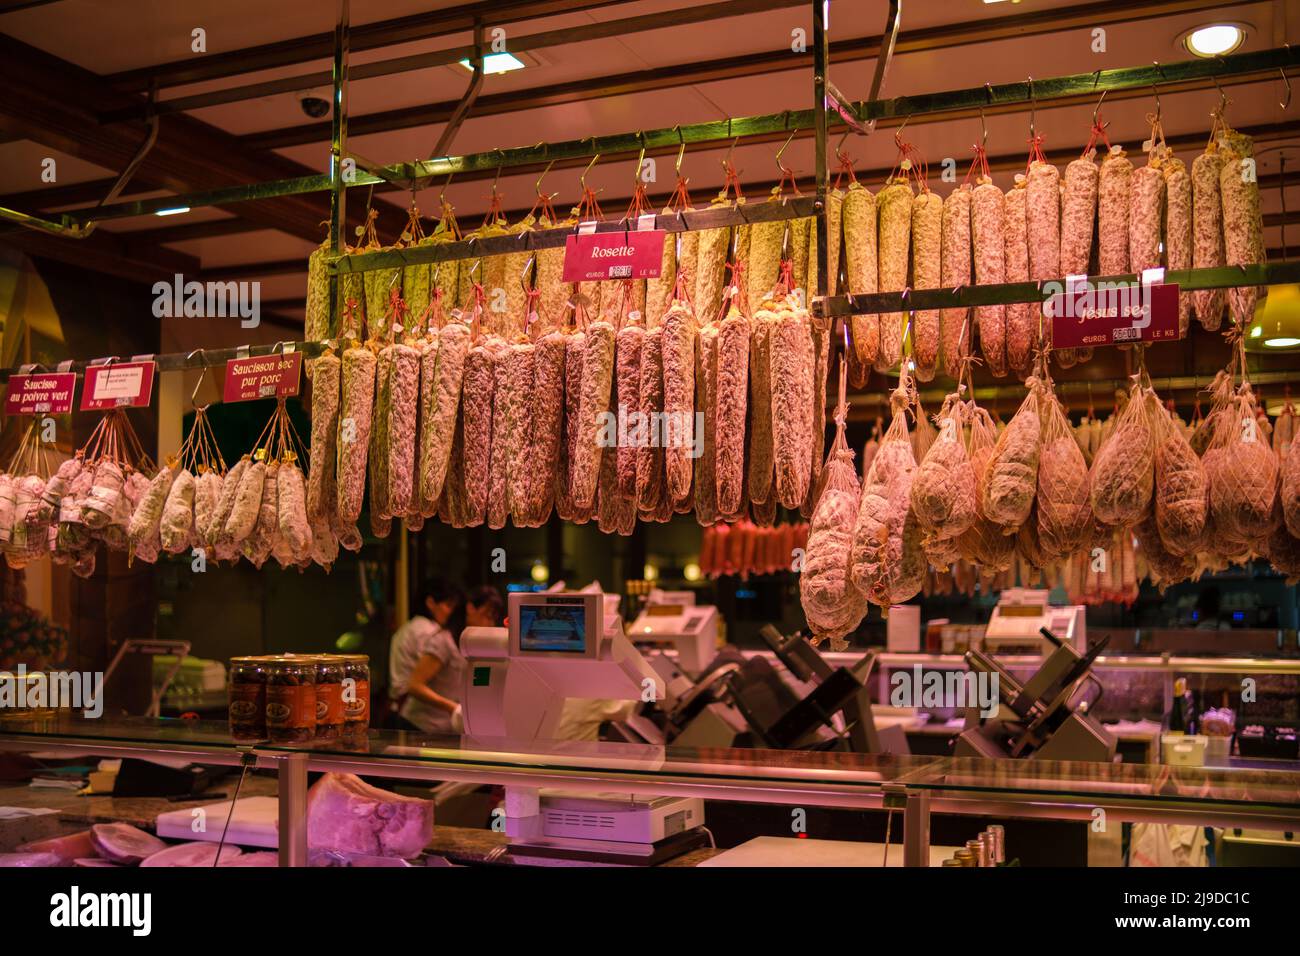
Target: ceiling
78, 75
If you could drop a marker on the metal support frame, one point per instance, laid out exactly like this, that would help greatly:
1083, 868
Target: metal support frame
292, 771
1265, 62
338, 144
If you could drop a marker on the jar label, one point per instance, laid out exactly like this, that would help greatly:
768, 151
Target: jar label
247, 705
329, 704
356, 700
291, 705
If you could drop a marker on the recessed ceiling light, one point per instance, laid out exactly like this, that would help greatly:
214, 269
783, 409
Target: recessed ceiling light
174, 211
1215, 39
1282, 343
497, 63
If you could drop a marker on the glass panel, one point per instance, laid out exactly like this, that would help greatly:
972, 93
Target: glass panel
1255, 782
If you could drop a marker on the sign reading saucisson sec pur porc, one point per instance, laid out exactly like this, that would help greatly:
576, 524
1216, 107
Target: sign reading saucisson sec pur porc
613, 255
1087, 315
46, 393
120, 385
265, 376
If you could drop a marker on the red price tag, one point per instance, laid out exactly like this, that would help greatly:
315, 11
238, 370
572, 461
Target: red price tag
266, 376
49, 393
122, 384
613, 255
1085, 316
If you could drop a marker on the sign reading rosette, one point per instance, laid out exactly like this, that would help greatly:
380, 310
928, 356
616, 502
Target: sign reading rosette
1089, 314
263, 376
45, 393
594, 256
118, 385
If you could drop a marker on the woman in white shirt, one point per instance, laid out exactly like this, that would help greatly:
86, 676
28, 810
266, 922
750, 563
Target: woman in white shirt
425, 666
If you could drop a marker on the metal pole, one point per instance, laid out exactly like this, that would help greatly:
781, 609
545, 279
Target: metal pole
292, 772
916, 829
821, 62
338, 144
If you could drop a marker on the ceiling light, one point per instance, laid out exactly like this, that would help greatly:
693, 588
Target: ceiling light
174, 211
692, 572
1277, 320
650, 573
497, 63
539, 572
1214, 39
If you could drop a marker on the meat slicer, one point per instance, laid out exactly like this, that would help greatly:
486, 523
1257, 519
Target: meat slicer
1042, 718
558, 646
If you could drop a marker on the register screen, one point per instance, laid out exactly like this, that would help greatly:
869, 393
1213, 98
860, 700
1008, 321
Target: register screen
553, 627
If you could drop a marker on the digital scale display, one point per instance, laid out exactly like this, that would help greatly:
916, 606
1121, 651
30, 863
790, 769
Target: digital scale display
558, 625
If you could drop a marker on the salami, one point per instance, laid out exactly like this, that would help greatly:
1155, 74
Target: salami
1207, 233
862, 268
792, 372
989, 253
355, 419
1022, 318
894, 217
927, 228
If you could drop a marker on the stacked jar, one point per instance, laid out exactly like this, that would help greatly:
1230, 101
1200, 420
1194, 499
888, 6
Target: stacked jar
290, 698
247, 699
356, 694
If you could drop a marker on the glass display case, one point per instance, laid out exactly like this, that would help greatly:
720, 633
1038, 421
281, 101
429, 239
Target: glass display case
1237, 795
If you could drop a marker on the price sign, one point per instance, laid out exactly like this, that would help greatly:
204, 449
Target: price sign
120, 385
44, 394
266, 376
613, 255
1084, 316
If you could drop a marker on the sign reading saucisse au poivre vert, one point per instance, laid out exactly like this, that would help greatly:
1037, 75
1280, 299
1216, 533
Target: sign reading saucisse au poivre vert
40, 394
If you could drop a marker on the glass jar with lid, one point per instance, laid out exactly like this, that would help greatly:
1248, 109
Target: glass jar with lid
290, 698
247, 690
329, 697
356, 694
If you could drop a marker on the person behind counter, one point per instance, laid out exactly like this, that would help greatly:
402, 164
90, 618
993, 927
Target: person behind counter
485, 608
425, 665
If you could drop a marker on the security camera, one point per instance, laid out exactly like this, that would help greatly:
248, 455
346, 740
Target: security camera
314, 106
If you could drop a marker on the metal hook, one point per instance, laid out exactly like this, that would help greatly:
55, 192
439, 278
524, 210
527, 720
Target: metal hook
726, 160
1097, 109
1223, 97
1155, 89
582, 180
203, 371
442, 195
681, 150
543, 176
1285, 104
640, 160
780, 151
501, 162
1033, 109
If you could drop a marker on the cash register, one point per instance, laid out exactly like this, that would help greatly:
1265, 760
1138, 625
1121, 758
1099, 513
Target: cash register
1020, 617
672, 619
559, 646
